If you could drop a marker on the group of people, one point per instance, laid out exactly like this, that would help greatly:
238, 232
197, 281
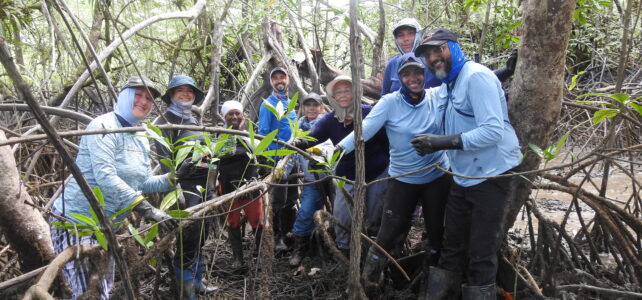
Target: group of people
440, 129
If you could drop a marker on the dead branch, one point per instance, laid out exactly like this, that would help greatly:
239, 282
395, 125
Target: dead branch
600, 291
67, 113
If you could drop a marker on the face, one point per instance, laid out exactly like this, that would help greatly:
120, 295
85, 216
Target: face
413, 78
280, 81
438, 60
143, 102
183, 93
311, 109
405, 38
234, 118
342, 92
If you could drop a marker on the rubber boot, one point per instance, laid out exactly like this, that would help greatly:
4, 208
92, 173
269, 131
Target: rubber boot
443, 284
300, 247
373, 266
258, 234
484, 292
237, 247
186, 287
199, 286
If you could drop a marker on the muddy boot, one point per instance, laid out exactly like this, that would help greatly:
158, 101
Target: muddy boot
258, 233
484, 292
373, 266
443, 284
300, 247
237, 247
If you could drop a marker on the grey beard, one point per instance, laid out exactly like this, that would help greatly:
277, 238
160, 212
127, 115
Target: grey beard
441, 74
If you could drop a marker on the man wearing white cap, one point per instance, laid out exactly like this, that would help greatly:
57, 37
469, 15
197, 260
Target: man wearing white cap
235, 169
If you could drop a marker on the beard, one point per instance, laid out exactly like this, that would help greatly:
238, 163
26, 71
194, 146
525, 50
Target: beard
443, 72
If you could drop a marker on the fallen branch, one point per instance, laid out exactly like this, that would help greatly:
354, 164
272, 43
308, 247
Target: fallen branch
49, 110
599, 290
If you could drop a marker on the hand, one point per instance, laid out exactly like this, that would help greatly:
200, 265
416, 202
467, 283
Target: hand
314, 150
430, 143
147, 211
186, 169
511, 62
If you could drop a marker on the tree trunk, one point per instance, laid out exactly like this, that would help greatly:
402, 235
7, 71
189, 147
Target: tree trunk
537, 89
24, 227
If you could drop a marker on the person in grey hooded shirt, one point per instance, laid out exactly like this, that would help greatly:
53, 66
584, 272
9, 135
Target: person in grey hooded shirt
119, 164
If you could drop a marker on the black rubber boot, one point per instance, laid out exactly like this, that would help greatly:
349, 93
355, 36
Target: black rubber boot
484, 292
258, 233
443, 284
300, 247
237, 247
373, 266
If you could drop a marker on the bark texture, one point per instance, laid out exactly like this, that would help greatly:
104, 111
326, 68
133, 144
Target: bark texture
24, 227
537, 90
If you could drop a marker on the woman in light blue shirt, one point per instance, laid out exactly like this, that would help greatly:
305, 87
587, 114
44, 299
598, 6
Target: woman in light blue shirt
404, 114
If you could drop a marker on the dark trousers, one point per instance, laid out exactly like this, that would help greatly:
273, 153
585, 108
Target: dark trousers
400, 202
473, 229
283, 200
190, 240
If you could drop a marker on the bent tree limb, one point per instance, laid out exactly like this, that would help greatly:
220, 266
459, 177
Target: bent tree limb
76, 116
56, 140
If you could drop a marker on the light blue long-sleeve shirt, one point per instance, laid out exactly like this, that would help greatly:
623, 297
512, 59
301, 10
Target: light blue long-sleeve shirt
477, 109
118, 163
403, 122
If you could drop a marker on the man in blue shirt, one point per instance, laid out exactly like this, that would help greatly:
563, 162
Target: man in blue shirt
481, 143
282, 198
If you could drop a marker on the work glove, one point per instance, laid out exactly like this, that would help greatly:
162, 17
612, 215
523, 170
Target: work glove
148, 212
507, 71
430, 143
314, 150
190, 168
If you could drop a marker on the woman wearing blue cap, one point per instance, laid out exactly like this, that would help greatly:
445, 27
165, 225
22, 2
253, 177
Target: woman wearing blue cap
181, 94
404, 114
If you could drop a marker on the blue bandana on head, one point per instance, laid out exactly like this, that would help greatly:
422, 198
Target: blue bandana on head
458, 60
125, 106
409, 96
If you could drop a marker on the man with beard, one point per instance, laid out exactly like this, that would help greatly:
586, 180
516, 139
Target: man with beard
282, 198
481, 143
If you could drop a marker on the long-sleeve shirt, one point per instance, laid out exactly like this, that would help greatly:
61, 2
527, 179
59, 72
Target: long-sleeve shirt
402, 122
118, 163
376, 149
476, 109
268, 122
391, 81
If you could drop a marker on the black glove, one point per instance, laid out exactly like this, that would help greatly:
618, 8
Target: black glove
147, 211
507, 71
430, 143
192, 169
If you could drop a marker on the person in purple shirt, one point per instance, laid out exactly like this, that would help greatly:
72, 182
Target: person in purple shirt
335, 126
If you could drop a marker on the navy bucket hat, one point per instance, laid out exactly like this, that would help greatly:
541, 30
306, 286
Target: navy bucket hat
179, 80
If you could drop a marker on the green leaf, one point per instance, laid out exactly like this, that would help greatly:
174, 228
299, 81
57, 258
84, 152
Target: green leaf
279, 152
561, 142
82, 218
100, 237
574, 80
596, 103
272, 109
166, 162
99, 195
151, 234
181, 154
129, 207
637, 107
292, 104
170, 199
136, 235
155, 133
181, 140
265, 142
177, 213
604, 114
536, 149
620, 97
222, 139
250, 127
